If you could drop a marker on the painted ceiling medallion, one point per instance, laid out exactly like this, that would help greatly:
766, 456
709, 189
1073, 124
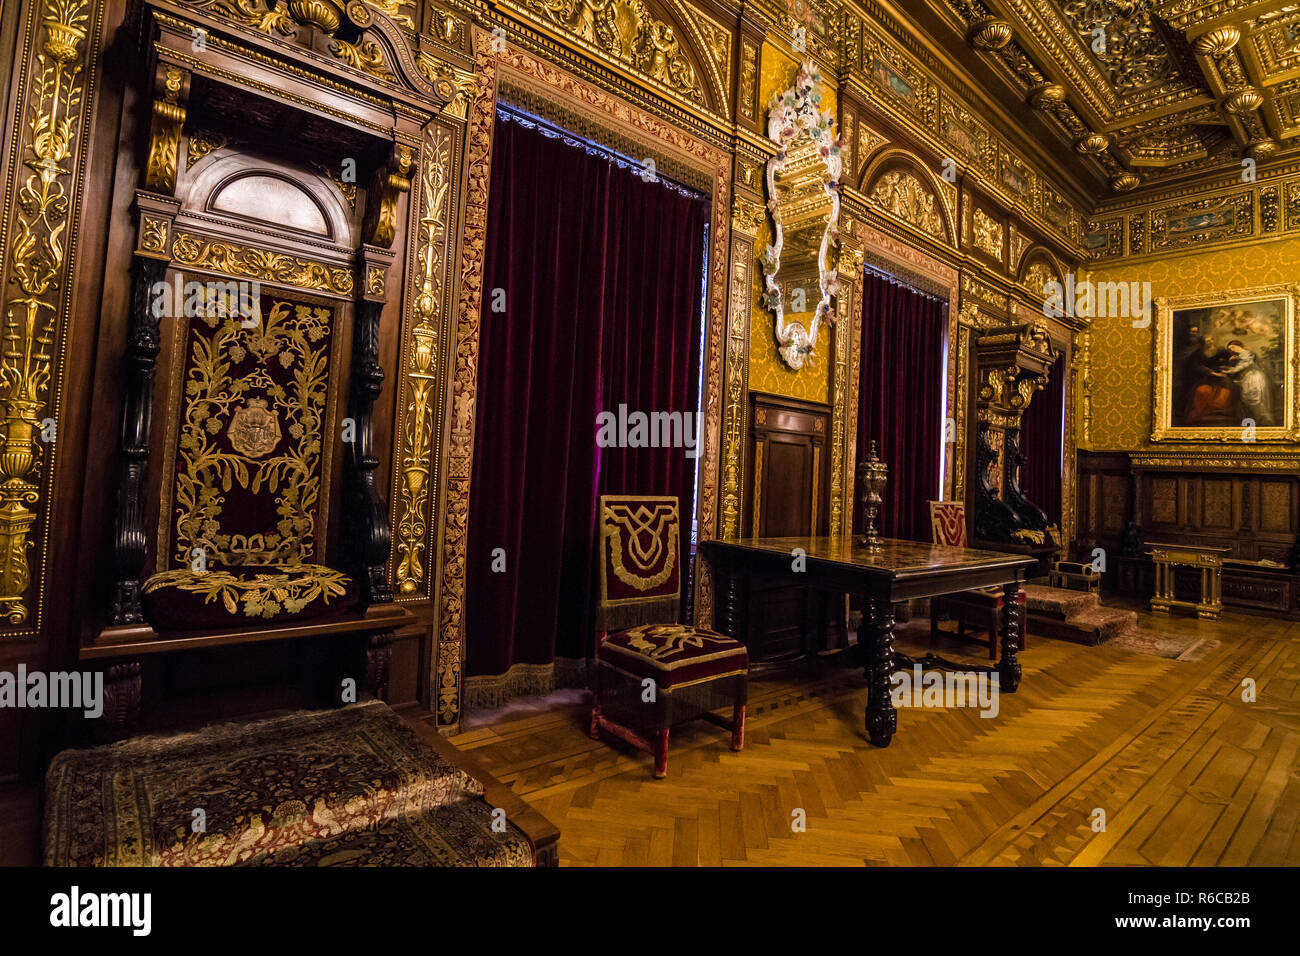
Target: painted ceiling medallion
803, 197
1243, 101
1092, 144
1044, 96
1217, 42
1124, 182
990, 34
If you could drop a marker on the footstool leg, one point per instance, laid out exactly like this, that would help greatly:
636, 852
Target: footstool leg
594, 729
737, 726
661, 753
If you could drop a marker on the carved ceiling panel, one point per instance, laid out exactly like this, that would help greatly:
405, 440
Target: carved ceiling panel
1146, 91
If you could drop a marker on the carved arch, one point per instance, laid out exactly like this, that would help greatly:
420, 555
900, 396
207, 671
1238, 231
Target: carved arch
718, 75
899, 184
1039, 259
215, 174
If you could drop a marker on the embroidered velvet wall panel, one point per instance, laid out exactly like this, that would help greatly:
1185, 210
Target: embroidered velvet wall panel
249, 467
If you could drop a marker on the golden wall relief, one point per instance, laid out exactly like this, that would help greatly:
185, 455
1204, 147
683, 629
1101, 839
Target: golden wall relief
746, 220
629, 33
551, 84
251, 262
418, 397
905, 85
45, 196
1115, 394
902, 195
1212, 215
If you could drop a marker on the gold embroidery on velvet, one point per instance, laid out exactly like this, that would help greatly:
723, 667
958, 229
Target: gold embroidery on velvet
263, 595
250, 411
641, 554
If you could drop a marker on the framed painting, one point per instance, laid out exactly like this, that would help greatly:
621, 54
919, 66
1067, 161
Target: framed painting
1226, 367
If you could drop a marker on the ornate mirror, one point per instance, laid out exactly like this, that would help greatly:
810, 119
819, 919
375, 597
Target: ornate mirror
803, 196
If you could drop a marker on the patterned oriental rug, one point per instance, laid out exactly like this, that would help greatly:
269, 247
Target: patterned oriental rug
348, 787
1083, 612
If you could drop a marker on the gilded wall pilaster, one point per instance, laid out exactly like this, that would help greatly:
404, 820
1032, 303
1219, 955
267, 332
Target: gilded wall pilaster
434, 205
55, 76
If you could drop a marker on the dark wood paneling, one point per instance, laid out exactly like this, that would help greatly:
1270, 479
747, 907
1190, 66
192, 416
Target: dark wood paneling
1255, 514
788, 478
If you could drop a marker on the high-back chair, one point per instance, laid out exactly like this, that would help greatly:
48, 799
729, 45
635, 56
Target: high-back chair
981, 607
651, 672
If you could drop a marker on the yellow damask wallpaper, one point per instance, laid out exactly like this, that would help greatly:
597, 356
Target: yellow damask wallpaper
1120, 356
767, 372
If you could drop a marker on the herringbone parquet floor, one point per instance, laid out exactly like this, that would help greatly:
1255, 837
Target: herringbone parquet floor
1184, 770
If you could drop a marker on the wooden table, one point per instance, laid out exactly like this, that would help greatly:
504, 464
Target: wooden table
898, 571
1210, 563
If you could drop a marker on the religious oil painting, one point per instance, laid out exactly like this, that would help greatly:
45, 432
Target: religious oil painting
1226, 367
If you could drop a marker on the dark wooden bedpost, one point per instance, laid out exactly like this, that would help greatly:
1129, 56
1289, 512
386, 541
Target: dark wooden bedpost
369, 537
139, 364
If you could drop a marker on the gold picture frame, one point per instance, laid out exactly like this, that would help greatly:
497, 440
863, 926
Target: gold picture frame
1226, 367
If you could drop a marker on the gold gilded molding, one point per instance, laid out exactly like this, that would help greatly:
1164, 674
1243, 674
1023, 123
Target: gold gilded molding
627, 32
903, 196
39, 259
254, 263
748, 78
393, 10
165, 133
393, 182
153, 233
742, 266
987, 233
747, 217
421, 400
365, 56
202, 142
445, 681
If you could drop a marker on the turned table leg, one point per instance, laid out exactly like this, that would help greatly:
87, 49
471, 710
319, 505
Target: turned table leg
1009, 665
878, 627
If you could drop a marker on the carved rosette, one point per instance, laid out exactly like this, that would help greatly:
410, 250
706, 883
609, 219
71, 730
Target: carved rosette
40, 259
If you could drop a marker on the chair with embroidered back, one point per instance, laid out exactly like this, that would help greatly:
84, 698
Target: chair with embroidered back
983, 606
652, 673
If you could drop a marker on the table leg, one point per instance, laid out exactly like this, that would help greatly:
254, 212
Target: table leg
1009, 666
878, 621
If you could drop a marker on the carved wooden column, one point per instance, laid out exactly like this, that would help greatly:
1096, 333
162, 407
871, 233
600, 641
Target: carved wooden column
129, 542
156, 211
368, 535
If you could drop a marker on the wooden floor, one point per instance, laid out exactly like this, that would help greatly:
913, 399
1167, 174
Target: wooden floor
1185, 771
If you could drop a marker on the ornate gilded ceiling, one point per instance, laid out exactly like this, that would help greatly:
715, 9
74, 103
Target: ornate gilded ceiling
1144, 91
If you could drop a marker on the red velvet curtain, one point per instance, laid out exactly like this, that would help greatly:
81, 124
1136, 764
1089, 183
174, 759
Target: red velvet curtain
601, 275
1040, 443
900, 401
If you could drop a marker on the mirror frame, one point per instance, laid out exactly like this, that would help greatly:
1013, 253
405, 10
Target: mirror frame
791, 114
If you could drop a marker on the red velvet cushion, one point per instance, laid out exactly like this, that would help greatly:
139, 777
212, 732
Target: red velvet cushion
247, 595
674, 654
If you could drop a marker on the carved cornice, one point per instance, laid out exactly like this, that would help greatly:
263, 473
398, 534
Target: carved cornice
262, 264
